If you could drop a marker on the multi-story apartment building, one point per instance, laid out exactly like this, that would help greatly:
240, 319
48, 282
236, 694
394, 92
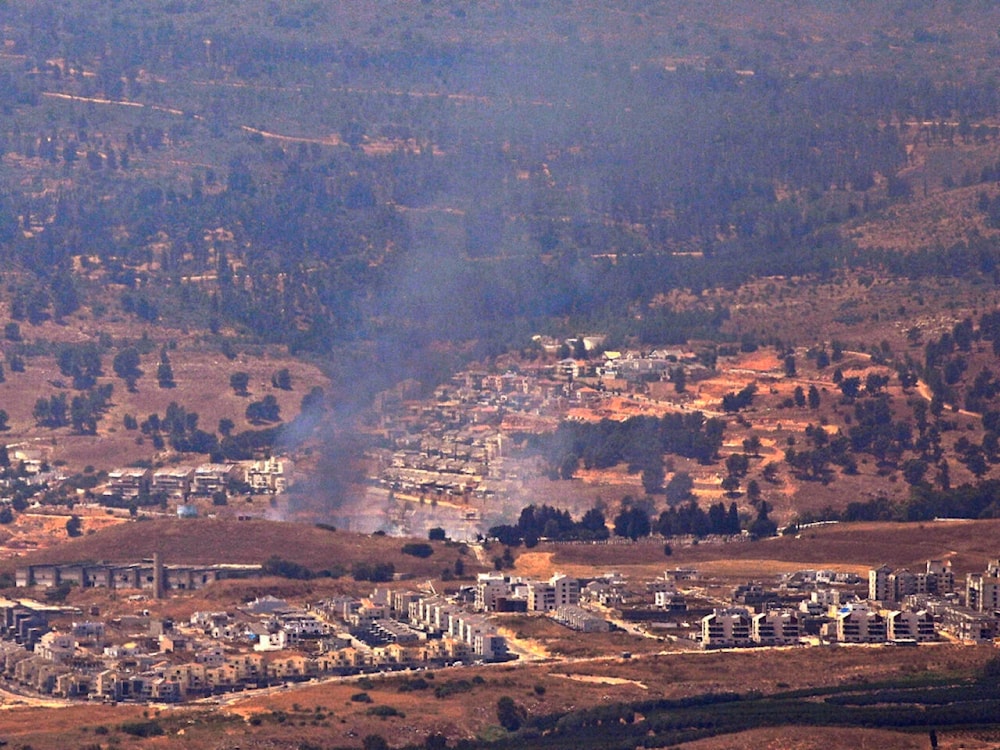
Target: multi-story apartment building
776, 627
904, 626
887, 585
725, 628
857, 623
560, 590
982, 590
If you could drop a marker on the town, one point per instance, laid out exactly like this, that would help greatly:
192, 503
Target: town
52, 649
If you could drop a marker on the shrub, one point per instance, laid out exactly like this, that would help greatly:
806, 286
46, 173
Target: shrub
508, 714
418, 549
142, 728
384, 712
375, 572
361, 698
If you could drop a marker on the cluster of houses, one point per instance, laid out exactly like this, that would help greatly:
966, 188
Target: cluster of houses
53, 650
178, 483
902, 607
266, 641
559, 596
455, 443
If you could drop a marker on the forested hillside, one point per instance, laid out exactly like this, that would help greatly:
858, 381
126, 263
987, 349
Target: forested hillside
324, 174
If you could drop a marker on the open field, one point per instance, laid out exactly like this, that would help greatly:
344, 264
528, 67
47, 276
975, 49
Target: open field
206, 541
967, 544
201, 375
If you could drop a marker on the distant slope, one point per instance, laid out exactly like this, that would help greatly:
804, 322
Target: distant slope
968, 544
223, 541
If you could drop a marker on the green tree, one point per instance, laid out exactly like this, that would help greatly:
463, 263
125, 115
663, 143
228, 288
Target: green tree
126, 366
652, 478
737, 464
632, 523
679, 488
850, 387
914, 470
763, 526
508, 714
164, 372
282, 379
240, 382
679, 378
593, 521
74, 526
812, 398
731, 484
265, 410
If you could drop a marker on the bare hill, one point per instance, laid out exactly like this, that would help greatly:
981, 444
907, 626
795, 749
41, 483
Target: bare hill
223, 541
968, 544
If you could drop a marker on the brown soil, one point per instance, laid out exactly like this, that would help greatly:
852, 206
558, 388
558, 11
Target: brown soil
967, 544
206, 541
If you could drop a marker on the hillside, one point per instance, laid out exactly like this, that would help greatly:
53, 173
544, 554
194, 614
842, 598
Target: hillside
854, 546
207, 541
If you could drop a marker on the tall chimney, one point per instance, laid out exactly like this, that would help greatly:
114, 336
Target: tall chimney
158, 586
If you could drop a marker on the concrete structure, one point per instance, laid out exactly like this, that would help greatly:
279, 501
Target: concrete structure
131, 576
558, 591
268, 475
878, 583
211, 478
856, 623
56, 647
776, 627
175, 483
905, 626
128, 483
580, 619
887, 585
982, 590
726, 628
490, 589
967, 624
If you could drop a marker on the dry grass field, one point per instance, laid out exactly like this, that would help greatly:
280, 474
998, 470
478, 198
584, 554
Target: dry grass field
201, 374
222, 541
967, 544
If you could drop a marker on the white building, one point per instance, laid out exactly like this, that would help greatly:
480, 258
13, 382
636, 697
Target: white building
858, 624
57, 647
490, 587
878, 583
917, 626
268, 475
558, 591
777, 627
726, 628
